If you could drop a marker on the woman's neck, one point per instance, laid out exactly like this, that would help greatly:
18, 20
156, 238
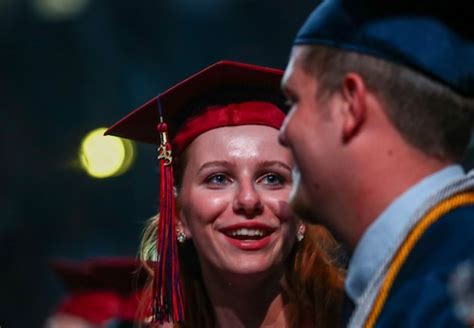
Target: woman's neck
251, 301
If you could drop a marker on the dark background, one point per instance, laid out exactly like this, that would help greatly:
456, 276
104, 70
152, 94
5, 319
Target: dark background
84, 65
63, 74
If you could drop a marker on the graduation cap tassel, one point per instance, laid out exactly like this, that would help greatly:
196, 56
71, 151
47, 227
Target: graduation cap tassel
168, 294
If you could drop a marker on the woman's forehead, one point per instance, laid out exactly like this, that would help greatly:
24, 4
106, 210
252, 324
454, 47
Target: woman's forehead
245, 142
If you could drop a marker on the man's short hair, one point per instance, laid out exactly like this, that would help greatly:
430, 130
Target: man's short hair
428, 115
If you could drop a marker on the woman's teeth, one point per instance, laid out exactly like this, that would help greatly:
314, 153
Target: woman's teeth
246, 233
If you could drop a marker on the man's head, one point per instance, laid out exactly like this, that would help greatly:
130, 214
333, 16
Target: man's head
360, 78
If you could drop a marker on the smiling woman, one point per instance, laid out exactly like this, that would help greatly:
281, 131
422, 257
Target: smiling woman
245, 260
233, 201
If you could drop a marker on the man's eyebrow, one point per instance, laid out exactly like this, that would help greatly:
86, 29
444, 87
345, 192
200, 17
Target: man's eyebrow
287, 88
288, 91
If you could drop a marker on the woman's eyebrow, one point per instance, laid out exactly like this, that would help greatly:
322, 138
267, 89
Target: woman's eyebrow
275, 164
263, 164
213, 164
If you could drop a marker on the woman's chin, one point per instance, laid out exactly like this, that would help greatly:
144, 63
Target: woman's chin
249, 265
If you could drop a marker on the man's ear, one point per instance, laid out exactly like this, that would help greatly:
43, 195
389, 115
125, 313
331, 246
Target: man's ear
354, 93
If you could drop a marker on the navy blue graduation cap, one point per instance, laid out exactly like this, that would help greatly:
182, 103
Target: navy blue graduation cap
433, 37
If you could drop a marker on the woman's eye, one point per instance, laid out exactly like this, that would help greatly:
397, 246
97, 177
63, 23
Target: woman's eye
217, 179
273, 179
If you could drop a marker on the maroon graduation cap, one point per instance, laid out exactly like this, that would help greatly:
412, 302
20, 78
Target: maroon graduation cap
179, 102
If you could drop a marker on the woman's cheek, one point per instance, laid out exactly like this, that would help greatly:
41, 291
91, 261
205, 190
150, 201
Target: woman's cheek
278, 204
208, 205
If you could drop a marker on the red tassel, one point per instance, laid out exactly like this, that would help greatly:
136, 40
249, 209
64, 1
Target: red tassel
168, 292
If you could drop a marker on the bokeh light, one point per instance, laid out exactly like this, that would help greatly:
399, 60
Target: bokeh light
105, 156
59, 9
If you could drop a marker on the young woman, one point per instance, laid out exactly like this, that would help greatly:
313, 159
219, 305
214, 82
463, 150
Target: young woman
245, 260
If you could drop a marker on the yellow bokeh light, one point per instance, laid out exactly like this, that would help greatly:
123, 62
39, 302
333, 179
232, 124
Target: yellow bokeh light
105, 156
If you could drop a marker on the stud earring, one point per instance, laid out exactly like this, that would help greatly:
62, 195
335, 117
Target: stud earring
300, 232
180, 235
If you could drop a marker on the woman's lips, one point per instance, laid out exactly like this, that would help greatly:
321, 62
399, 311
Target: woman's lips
249, 244
248, 236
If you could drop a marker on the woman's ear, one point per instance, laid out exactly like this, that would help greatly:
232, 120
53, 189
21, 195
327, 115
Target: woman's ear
300, 231
182, 221
181, 226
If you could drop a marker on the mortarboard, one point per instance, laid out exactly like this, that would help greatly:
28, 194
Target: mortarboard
236, 80
224, 94
101, 289
433, 37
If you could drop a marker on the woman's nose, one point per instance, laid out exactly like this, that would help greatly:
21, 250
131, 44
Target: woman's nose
247, 200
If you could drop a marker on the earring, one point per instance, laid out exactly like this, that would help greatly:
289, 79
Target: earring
180, 235
300, 232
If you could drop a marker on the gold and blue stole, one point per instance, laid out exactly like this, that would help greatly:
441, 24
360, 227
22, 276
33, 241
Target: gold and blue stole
407, 246
456, 199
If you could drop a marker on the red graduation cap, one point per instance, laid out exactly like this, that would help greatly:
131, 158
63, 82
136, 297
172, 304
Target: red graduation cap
101, 289
224, 94
180, 101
